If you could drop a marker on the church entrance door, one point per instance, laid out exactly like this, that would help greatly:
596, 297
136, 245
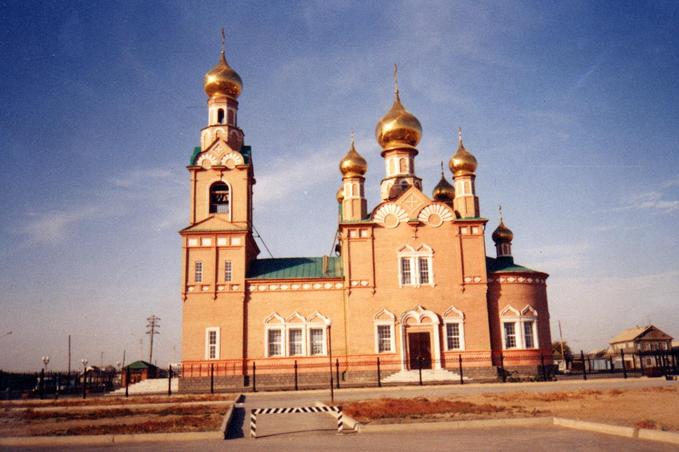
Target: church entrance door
419, 348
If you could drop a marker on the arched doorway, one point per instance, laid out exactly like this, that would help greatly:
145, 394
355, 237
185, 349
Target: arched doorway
420, 339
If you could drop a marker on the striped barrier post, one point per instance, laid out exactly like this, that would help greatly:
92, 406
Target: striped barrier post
300, 409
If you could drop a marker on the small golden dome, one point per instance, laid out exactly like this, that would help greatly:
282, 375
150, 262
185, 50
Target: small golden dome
353, 164
222, 79
462, 162
502, 233
340, 194
443, 192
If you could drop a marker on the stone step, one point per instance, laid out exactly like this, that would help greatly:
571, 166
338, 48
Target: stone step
150, 386
409, 376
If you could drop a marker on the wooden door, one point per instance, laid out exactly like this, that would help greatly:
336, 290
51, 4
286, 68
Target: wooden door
419, 348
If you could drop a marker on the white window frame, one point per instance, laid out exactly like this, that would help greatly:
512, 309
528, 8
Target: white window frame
519, 319
322, 329
302, 337
281, 338
413, 256
454, 316
296, 321
198, 274
213, 329
228, 271
385, 318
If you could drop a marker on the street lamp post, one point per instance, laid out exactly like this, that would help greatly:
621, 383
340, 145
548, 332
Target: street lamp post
84, 362
45, 361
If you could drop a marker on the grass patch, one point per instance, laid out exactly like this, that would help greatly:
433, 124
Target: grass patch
388, 408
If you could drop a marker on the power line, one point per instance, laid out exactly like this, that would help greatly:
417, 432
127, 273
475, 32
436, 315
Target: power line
259, 236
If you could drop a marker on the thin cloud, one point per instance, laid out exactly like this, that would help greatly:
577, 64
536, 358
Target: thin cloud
52, 227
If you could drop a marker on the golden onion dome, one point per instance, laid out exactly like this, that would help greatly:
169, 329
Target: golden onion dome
222, 79
443, 192
502, 233
399, 128
462, 162
340, 194
353, 164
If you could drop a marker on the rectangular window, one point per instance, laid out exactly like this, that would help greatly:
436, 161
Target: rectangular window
316, 341
424, 270
212, 343
275, 342
294, 342
453, 336
383, 338
406, 277
528, 341
227, 271
510, 335
198, 272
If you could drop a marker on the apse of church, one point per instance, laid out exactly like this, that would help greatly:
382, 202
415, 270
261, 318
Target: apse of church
411, 283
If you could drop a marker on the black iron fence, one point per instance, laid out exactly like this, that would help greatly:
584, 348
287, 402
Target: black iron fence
341, 372
16, 385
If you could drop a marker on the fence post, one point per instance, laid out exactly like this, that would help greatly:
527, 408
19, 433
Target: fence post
379, 374
624, 367
169, 380
502, 367
419, 365
254, 377
584, 368
42, 384
542, 363
84, 383
610, 363
337, 373
296, 387
459, 359
641, 364
127, 381
212, 378
56, 388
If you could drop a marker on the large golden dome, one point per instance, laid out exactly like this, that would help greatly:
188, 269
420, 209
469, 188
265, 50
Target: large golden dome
462, 162
502, 233
222, 79
399, 128
353, 164
443, 192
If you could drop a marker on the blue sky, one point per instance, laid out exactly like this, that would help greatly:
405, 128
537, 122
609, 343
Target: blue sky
571, 108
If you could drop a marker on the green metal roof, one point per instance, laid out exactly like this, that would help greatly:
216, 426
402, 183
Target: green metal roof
194, 156
506, 265
137, 365
295, 268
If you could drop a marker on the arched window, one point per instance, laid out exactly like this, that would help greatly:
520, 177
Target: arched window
415, 266
219, 198
519, 329
220, 116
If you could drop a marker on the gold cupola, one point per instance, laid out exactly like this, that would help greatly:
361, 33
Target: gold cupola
444, 191
223, 80
353, 164
462, 162
502, 234
398, 129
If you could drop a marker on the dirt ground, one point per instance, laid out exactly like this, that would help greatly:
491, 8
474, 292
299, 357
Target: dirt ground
654, 408
23, 419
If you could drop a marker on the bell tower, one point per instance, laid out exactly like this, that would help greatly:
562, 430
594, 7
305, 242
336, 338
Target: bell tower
218, 243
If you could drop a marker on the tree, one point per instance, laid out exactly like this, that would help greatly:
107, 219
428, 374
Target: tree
556, 350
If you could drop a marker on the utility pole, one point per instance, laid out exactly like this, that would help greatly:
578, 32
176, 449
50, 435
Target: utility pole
563, 356
153, 323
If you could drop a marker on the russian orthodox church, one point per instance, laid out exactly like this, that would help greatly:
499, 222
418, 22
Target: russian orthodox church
410, 286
